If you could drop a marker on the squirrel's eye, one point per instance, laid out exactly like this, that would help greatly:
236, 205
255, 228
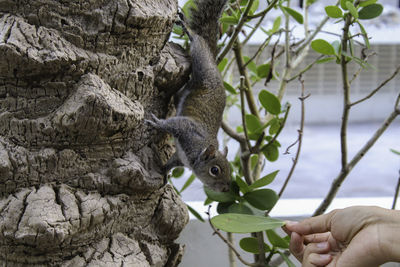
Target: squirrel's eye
214, 171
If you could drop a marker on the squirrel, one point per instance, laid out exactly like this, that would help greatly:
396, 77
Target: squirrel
201, 103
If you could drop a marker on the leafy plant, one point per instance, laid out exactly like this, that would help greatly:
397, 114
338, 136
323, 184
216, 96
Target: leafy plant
246, 207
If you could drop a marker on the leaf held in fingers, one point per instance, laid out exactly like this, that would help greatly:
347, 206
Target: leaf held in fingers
243, 223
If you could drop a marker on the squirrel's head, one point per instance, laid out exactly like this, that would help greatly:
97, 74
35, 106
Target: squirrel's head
213, 169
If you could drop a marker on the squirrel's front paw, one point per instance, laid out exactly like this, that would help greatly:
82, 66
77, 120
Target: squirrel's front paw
155, 122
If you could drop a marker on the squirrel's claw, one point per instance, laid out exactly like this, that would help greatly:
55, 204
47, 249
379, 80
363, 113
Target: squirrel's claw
154, 122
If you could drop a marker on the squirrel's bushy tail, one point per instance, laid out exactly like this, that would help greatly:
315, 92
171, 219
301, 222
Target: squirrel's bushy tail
204, 20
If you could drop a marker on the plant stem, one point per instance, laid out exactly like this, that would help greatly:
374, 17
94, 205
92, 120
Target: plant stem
236, 32
373, 92
237, 49
300, 139
232, 260
396, 193
345, 171
346, 94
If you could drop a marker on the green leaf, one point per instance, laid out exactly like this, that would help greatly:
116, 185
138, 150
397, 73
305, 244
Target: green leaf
336, 46
243, 186
296, 15
254, 7
188, 182
195, 213
286, 259
177, 172
367, 3
266, 180
275, 125
223, 208
323, 47
186, 7
177, 30
230, 88
253, 160
276, 25
371, 11
334, 12
252, 122
263, 70
276, 240
222, 64
250, 244
262, 199
352, 9
325, 59
343, 3
243, 223
239, 208
208, 201
395, 151
230, 20
270, 102
219, 196
271, 152
251, 65
364, 35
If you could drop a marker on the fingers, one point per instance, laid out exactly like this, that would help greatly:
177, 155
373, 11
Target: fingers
316, 254
319, 224
297, 246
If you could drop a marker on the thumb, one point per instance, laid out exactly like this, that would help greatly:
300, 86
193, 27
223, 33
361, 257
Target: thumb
319, 224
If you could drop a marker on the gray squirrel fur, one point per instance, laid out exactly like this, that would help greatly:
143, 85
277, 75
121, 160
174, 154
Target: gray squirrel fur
201, 103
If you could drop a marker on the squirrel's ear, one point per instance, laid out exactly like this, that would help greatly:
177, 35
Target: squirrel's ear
209, 152
225, 152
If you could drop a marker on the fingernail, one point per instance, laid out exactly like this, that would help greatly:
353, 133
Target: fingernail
324, 256
290, 223
322, 245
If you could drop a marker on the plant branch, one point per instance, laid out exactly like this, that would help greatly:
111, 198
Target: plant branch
396, 193
230, 245
242, 105
345, 171
304, 70
237, 49
355, 75
346, 93
373, 92
300, 138
236, 32
265, 11
231, 132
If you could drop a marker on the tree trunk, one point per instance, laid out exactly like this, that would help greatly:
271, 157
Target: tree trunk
80, 181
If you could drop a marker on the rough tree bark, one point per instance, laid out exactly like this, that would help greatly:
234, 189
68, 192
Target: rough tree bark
79, 170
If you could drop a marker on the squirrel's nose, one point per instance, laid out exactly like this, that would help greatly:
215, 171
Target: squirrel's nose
225, 188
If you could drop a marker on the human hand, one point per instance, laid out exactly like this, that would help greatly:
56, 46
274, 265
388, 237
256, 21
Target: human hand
355, 236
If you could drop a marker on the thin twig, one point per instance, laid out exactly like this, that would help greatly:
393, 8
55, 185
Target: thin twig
232, 133
345, 171
355, 75
230, 245
242, 105
300, 138
396, 193
373, 92
304, 70
259, 50
236, 32
237, 49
